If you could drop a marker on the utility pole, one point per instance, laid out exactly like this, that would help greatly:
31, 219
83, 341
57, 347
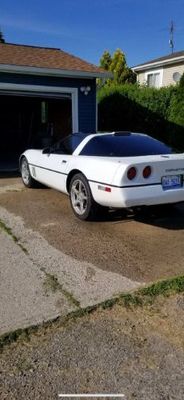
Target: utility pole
171, 40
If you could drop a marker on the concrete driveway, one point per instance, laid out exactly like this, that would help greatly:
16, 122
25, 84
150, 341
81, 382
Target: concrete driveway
52, 263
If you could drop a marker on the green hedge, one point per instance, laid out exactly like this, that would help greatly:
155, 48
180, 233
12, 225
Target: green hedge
143, 109
176, 109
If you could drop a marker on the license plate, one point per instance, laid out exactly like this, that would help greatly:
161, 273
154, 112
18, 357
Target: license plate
171, 182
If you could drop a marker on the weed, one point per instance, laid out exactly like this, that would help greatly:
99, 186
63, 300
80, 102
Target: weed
51, 283
130, 300
140, 298
165, 287
9, 232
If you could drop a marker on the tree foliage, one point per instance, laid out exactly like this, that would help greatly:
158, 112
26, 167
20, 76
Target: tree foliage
106, 60
2, 40
118, 66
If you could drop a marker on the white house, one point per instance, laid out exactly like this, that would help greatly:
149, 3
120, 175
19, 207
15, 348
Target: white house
163, 71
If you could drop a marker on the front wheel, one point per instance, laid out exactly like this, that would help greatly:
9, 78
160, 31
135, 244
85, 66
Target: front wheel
81, 199
25, 174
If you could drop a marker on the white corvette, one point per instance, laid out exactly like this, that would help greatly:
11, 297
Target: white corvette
117, 170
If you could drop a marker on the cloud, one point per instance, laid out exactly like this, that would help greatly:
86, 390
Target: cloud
33, 26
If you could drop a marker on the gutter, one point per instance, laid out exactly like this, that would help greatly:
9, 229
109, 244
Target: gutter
6, 68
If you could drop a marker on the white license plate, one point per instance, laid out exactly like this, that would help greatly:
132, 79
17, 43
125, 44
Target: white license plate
171, 182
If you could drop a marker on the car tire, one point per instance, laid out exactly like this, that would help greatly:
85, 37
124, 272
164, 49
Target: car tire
81, 199
25, 174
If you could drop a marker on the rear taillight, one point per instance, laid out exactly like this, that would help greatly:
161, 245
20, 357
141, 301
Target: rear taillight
131, 173
146, 172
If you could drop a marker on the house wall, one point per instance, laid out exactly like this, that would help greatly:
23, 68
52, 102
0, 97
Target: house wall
168, 71
141, 78
86, 104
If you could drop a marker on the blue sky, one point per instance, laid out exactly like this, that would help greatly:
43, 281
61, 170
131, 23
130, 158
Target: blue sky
86, 28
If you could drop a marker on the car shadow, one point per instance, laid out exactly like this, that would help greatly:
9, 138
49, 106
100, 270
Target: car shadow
167, 216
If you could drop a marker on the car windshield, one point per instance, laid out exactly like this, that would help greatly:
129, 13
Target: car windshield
124, 145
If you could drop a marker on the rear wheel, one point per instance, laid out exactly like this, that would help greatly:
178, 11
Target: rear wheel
81, 199
25, 174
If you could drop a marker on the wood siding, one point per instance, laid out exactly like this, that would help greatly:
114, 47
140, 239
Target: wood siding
86, 104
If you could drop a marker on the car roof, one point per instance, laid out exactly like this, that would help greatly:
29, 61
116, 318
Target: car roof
115, 133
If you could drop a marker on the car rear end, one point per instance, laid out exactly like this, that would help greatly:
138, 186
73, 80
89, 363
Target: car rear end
149, 180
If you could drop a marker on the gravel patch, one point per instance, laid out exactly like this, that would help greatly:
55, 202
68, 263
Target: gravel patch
136, 351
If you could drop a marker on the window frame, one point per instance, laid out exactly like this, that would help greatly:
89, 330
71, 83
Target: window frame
154, 72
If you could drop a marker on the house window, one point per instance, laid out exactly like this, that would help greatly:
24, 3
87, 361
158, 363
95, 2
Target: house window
153, 80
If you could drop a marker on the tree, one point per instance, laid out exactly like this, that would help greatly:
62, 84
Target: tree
2, 40
106, 60
118, 66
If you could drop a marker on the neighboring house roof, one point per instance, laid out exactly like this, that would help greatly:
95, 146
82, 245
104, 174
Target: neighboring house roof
43, 60
157, 62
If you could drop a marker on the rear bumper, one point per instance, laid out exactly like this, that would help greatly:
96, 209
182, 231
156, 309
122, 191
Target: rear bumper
137, 196
151, 195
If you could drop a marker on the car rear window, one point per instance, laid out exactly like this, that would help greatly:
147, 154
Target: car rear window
127, 145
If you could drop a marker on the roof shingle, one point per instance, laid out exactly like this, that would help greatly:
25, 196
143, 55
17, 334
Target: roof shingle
160, 59
43, 57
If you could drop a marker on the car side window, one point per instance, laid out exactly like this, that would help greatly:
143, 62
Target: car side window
57, 148
67, 145
70, 143
58, 151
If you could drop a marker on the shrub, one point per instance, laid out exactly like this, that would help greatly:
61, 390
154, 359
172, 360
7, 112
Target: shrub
176, 109
142, 109
181, 82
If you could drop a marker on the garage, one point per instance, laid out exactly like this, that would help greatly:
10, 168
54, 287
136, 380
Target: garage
34, 122
44, 95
